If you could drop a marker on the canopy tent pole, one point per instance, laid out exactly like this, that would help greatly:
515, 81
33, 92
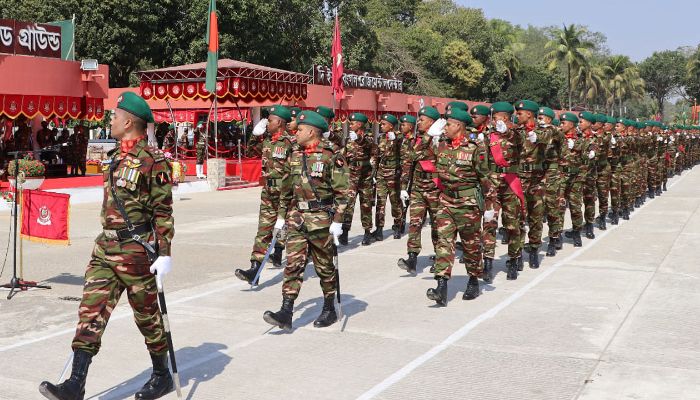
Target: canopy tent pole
172, 115
245, 124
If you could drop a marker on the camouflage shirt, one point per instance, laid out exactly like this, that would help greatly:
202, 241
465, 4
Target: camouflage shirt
602, 141
274, 151
533, 153
422, 157
142, 180
573, 156
464, 173
389, 156
361, 152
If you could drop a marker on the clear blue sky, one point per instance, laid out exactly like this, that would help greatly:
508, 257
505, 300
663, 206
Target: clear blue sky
636, 28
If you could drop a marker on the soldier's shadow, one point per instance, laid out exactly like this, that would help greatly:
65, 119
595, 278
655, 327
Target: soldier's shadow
196, 365
311, 309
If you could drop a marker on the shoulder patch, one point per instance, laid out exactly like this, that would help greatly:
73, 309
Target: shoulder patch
163, 178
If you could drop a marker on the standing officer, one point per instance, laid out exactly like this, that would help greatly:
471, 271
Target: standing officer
275, 149
201, 140
361, 154
408, 139
313, 202
603, 136
388, 176
425, 194
137, 222
463, 171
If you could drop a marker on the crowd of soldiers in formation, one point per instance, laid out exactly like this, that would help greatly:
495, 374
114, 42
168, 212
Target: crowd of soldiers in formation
464, 170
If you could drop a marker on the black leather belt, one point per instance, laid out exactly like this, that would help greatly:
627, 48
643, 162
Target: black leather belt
530, 167
426, 175
314, 205
461, 193
272, 182
505, 170
570, 170
361, 163
126, 234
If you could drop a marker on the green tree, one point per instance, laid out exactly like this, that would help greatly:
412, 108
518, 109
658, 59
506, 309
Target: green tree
462, 66
536, 83
622, 80
692, 75
663, 74
568, 48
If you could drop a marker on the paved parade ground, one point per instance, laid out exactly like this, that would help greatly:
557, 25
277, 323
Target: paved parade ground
616, 319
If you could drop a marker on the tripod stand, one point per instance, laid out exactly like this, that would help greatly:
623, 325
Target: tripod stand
17, 282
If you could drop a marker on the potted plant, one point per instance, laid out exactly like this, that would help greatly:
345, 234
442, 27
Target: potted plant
93, 166
31, 172
179, 168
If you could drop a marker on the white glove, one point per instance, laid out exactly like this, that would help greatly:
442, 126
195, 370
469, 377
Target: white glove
260, 127
532, 136
659, 138
676, 155
570, 144
436, 128
161, 267
671, 139
352, 135
391, 136
404, 195
326, 134
336, 229
591, 154
489, 215
501, 126
279, 224
436, 141
613, 141
481, 137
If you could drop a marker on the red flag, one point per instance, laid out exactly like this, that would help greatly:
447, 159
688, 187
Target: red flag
337, 67
45, 216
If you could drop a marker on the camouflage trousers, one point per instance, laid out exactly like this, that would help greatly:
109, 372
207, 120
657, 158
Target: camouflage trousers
533, 189
573, 196
509, 205
652, 175
464, 218
360, 186
387, 186
627, 178
106, 278
201, 154
317, 242
553, 198
269, 203
422, 202
615, 187
643, 177
603, 189
589, 194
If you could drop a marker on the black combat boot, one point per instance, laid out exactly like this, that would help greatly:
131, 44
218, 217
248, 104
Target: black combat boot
512, 265
160, 383
249, 274
637, 202
534, 258
397, 231
576, 235
74, 387
282, 318
378, 234
601, 223
626, 213
589, 231
521, 263
410, 264
558, 244
439, 294
610, 213
343, 238
277, 256
551, 247
505, 237
488, 270
367, 239
658, 191
472, 291
651, 193
664, 187
568, 234
328, 316
615, 219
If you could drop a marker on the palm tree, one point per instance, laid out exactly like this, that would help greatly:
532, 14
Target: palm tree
570, 48
590, 79
623, 80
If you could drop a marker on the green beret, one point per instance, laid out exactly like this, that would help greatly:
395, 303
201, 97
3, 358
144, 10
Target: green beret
171, 126
409, 118
135, 105
312, 118
556, 122
527, 105
459, 115
601, 118
502, 106
390, 119
569, 116
588, 116
611, 120
325, 112
430, 112
546, 111
294, 111
480, 110
359, 117
281, 111
456, 104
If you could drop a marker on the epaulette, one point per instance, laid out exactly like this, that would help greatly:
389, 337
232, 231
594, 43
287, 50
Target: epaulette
157, 154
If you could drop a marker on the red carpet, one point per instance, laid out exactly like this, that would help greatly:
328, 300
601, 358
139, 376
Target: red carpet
65, 183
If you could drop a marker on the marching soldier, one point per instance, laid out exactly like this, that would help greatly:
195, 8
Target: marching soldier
361, 154
313, 202
616, 167
388, 176
588, 122
408, 139
333, 135
467, 192
424, 196
603, 136
135, 243
275, 149
553, 177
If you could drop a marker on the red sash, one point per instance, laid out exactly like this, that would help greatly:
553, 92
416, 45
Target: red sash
681, 148
511, 179
429, 166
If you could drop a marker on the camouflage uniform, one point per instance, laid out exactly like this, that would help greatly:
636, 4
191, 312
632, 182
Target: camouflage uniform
388, 179
201, 143
627, 157
590, 169
602, 140
464, 172
274, 151
142, 182
313, 194
554, 179
361, 156
616, 168
572, 159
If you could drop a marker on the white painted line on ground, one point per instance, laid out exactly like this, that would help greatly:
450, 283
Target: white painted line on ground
470, 325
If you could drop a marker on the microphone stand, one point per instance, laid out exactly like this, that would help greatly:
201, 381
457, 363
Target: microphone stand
17, 283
